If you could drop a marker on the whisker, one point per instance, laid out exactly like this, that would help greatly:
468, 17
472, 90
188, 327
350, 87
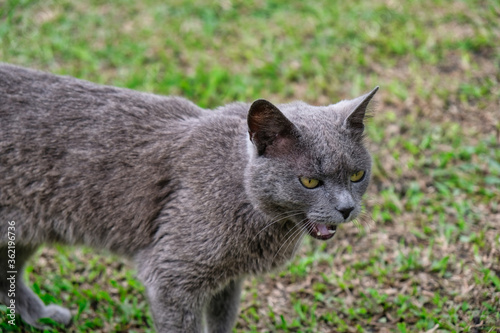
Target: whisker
287, 212
301, 228
285, 215
364, 221
367, 220
297, 244
289, 240
291, 232
357, 224
275, 220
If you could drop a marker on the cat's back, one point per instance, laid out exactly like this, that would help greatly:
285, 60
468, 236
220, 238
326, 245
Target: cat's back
62, 119
82, 156
33, 91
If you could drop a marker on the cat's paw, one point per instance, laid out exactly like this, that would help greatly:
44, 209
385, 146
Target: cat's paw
58, 313
55, 312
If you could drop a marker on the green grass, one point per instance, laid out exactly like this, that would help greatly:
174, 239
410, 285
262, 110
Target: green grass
424, 256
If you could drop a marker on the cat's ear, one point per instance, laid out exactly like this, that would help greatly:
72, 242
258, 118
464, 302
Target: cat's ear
356, 116
267, 126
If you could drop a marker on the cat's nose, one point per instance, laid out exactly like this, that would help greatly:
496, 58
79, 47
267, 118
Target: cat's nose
346, 212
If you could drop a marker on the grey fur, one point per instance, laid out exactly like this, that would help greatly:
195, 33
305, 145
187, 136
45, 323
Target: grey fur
179, 189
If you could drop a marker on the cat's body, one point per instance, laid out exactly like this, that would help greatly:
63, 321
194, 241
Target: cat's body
183, 191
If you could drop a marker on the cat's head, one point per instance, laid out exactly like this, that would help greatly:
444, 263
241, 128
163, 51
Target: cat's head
308, 164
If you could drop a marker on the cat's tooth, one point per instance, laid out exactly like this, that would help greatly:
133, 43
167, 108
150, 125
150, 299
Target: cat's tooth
318, 233
331, 231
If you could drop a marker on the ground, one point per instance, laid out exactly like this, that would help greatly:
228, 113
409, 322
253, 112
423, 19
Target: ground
425, 255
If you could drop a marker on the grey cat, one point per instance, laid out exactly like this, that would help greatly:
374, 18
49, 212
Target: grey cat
199, 199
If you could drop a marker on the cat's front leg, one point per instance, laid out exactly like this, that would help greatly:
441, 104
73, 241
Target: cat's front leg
174, 310
173, 291
222, 309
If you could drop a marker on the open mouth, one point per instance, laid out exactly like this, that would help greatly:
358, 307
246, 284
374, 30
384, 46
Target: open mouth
321, 231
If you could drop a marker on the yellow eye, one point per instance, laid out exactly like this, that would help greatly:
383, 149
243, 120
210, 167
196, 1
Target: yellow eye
357, 177
309, 182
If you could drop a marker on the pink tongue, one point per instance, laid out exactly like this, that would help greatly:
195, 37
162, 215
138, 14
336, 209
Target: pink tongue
322, 229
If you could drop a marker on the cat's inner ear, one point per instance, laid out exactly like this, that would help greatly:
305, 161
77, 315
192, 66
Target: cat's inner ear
268, 126
355, 119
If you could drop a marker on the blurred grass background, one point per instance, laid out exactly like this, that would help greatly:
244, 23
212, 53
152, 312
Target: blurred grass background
425, 257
